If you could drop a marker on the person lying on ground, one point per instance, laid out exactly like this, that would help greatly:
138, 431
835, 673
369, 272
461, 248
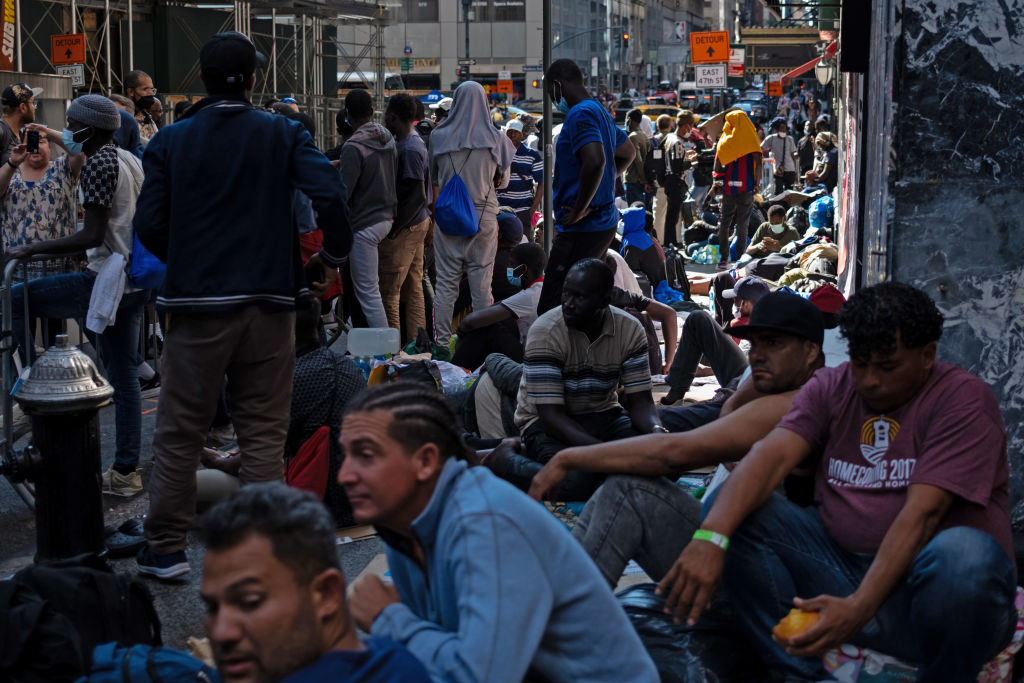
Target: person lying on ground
907, 549
275, 596
643, 515
487, 584
703, 338
577, 356
502, 327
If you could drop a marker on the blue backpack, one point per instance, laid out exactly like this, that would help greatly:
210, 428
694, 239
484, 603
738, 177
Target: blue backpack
112, 663
145, 270
454, 211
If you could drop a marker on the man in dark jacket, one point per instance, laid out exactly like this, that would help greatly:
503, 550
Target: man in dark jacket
216, 207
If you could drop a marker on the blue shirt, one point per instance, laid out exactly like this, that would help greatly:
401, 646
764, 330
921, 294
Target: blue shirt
383, 661
527, 169
504, 589
127, 136
587, 122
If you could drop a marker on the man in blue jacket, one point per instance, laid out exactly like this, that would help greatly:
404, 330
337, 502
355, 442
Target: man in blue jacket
216, 207
488, 586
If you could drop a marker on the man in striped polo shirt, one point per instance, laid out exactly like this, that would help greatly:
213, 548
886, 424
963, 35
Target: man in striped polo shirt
576, 357
526, 184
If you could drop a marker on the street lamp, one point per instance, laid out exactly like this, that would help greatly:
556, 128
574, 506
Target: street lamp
823, 71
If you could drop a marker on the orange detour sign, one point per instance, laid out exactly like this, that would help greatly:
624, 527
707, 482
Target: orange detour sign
709, 47
68, 48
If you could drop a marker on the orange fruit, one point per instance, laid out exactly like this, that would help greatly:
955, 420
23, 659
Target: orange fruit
794, 623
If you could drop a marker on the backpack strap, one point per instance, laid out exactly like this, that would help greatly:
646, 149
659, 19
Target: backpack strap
126, 665
151, 670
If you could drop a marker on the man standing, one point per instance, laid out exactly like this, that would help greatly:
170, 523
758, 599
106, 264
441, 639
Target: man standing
907, 549
223, 225
526, 182
590, 153
638, 186
783, 152
401, 254
19, 104
487, 584
737, 176
275, 596
677, 161
368, 167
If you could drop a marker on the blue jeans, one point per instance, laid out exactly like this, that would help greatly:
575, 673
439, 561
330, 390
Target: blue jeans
952, 614
67, 296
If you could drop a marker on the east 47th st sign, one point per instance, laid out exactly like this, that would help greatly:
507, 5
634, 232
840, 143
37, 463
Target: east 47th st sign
709, 47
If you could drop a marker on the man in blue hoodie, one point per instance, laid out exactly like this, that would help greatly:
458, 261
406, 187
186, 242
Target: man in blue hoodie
216, 207
488, 586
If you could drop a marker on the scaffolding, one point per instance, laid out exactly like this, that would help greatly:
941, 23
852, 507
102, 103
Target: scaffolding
300, 40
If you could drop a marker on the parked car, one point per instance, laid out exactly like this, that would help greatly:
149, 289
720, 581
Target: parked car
755, 109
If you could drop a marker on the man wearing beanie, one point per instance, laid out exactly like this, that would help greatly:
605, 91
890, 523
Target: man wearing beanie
217, 209
110, 184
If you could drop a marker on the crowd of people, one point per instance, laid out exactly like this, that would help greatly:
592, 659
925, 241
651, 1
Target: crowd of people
848, 484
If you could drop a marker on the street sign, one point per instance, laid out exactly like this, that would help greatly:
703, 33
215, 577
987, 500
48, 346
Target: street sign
505, 87
709, 47
648, 71
774, 85
67, 48
737, 61
467, 62
533, 67
406, 63
407, 51
593, 67
504, 75
75, 71
709, 75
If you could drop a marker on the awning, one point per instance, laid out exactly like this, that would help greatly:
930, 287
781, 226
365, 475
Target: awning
829, 52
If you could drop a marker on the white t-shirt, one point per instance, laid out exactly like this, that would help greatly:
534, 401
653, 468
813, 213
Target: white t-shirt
524, 307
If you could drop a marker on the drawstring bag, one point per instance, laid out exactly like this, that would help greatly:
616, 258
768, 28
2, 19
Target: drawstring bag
454, 211
145, 271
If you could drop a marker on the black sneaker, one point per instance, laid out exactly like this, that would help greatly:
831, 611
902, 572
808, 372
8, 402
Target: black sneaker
167, 566
150, 387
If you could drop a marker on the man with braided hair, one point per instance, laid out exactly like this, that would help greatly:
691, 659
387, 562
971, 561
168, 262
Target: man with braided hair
487, 585
907, 549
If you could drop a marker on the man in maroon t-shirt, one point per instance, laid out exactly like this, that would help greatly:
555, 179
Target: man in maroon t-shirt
907, 549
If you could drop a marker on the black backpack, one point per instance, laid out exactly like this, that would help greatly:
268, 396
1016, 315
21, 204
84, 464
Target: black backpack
675, 270
101, 605
654, 163
37, 644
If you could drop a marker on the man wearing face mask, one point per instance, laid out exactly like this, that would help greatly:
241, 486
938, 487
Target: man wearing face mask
138, 85
782, 149
771, 236
590, 153
502, 328
110, 184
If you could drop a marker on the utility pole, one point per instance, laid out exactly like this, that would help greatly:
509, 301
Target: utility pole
549, 149
467, 7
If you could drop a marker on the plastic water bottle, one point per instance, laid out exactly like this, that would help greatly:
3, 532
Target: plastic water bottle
366, 344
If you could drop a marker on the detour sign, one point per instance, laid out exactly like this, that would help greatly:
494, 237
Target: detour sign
67, 48
709, 47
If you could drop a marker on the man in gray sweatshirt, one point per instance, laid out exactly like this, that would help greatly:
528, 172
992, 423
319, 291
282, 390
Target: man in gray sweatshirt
368, 167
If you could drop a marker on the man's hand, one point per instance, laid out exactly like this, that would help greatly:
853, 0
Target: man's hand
716, 188
692, 580
18, 153
572, 217
329, 275
549, 477
691, 156
368, 597
24, 251
771, 244
839, 619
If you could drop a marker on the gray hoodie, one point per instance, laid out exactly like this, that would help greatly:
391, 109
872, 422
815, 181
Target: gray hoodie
368, 167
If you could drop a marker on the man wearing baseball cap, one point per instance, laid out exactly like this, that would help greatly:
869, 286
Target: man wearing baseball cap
109, 184
216, 207
703, 338
441, 109
19, 109
643, 514
526, 183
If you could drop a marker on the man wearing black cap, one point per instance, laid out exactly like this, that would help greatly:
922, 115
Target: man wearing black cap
645, 515
19, 109
222, 222
703, 338
908, 548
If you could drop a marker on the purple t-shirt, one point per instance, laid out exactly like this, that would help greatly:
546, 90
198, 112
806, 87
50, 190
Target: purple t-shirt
950, 436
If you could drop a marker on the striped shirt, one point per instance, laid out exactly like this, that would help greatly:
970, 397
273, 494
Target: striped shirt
739, 175
562, 367
527, 169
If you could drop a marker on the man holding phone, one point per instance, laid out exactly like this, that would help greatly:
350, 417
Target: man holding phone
19, 110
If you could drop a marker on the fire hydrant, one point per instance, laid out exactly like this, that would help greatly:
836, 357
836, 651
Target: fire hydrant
63, 394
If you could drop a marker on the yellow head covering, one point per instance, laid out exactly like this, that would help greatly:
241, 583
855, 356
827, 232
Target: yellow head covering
738, 138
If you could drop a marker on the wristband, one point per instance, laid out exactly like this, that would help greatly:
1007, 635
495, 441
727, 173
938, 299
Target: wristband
718, 539
717, 175
659, 429
12, 164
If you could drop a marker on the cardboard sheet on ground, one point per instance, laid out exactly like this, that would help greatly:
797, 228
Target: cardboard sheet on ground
360, 532
713, 126
793, 198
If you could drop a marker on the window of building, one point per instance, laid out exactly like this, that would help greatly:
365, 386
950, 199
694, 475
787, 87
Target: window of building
496, 10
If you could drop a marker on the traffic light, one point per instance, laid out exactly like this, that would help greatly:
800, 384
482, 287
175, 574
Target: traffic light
625, 40
536, 83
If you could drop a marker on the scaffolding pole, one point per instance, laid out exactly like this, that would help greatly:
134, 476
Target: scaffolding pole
106, 40
131, 37
273, 47
17, 33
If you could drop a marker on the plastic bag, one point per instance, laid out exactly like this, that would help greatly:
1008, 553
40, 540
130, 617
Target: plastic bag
708, 254
453, 378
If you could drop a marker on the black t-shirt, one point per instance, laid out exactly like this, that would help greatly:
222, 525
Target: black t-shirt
832, 160
8, 140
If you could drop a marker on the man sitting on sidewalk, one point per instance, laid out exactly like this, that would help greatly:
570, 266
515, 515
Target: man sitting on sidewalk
907, 549
275, 596
703, 338
502, 327
487, 584
645, 515
576, 358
